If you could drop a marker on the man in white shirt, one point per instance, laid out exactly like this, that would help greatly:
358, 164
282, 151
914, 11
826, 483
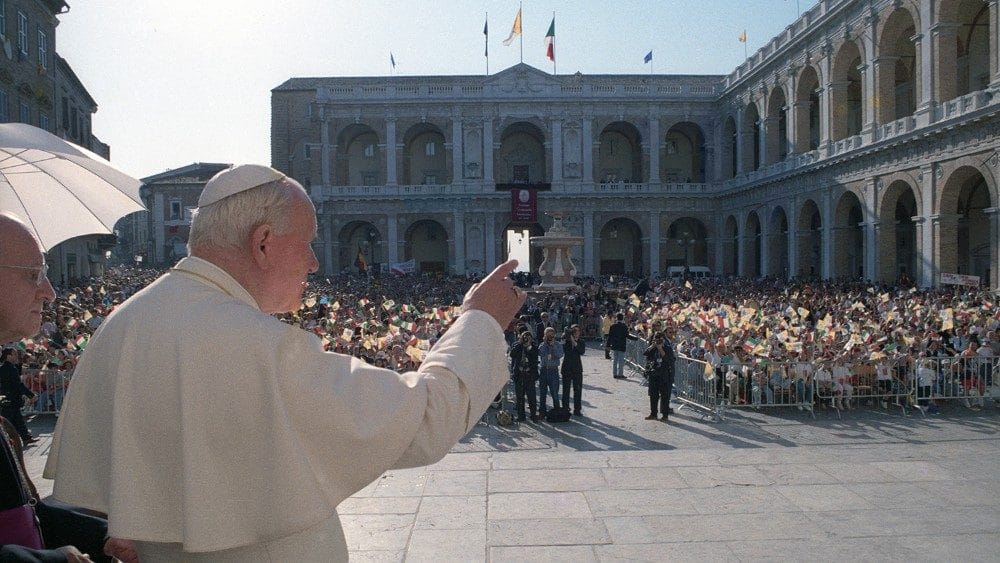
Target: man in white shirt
209, 430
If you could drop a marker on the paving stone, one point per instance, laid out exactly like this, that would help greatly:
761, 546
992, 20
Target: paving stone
556, 531
452, 513
551, 480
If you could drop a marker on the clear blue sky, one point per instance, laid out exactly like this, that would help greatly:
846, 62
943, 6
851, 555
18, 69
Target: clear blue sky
188, 81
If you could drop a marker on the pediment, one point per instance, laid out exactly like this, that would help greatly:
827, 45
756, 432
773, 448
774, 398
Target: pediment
523, 79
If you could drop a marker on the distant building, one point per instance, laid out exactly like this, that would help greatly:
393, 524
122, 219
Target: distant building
158, 237
861, 142
38, 87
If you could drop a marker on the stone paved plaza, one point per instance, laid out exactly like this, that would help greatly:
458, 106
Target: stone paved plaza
872, 485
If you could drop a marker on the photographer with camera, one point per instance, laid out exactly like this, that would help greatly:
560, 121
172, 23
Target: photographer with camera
572, 367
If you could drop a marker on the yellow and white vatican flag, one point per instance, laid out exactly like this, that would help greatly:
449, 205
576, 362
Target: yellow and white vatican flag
514, 31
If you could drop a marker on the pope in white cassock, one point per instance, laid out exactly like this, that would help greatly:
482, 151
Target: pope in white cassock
209, 430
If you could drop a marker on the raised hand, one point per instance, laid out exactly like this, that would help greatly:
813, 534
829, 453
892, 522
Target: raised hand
496, 295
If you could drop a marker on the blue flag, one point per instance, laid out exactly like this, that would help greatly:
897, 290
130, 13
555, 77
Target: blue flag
647, 58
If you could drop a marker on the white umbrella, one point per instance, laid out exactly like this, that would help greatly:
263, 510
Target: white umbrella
60, 189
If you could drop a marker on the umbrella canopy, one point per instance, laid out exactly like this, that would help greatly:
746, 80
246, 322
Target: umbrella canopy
59, 189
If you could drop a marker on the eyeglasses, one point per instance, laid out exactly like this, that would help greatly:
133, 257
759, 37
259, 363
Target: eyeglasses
40, 271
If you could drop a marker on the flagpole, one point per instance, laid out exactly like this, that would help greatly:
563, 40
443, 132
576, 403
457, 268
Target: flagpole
553, 45
486, 32
519, 8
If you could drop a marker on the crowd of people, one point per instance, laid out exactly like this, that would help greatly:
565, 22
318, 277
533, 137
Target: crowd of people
738, 326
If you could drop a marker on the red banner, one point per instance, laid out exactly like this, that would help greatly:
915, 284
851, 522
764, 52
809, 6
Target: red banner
523, 206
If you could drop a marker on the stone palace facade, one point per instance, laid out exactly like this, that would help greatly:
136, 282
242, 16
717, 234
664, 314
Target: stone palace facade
863, 141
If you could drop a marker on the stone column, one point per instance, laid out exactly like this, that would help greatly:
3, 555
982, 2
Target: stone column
654, 149
995, 54
799, 133
557, 167
588, 244
654, 243
329, 268
490, 237
925, 49
925, 229
488, 177
456, 150
826, 245
836, 118
793, 239
945, 232
870, 227
459, 238
920, 225
825, 99
765, 254
588, 150
392, 238
390, 152
885, 89
740, 168
867, 70
993, 213
770, 151
159, 230
324, 139
741, 242
944, 37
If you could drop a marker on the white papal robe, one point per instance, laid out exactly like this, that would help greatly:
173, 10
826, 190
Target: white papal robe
195, 419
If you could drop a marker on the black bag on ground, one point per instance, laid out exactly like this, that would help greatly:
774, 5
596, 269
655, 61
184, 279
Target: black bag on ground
557, 415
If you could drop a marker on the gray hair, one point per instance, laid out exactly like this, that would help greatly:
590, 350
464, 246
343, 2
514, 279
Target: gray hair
227, 223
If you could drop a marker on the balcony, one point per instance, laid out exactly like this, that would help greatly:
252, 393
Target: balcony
484, 189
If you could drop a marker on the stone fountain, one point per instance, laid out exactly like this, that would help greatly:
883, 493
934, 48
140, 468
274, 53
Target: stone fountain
557, 268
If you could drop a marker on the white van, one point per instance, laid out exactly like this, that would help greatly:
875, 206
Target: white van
694, 272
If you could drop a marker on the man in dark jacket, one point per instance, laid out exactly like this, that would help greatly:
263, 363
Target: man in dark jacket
572, 367
660, 373
617, 336
524, 366
12, 393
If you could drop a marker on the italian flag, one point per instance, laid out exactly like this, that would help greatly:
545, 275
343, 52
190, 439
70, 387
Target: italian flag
550, 38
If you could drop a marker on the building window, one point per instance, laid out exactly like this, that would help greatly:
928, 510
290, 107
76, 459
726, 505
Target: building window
175, 210
430, 148
368, 180
25, 113
3, 18
4, 107
430, 179
74, 126
307, 152
43, 50
370, 150
22, 35
43, 120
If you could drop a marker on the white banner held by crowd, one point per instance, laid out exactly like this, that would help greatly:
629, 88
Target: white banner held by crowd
959, 279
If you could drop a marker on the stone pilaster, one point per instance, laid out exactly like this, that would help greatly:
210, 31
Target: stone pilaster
456, 150
390, 152
392, 238
654, 150
654, 243
458, 218
993, 214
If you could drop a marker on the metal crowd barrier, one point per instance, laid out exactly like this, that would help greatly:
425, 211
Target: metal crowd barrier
923, 383
49, 387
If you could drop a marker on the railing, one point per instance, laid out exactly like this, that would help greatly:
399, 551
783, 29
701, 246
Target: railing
479, 189
49, 387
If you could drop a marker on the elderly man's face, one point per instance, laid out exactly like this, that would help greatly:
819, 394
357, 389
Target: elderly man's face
22, 298
295, 260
